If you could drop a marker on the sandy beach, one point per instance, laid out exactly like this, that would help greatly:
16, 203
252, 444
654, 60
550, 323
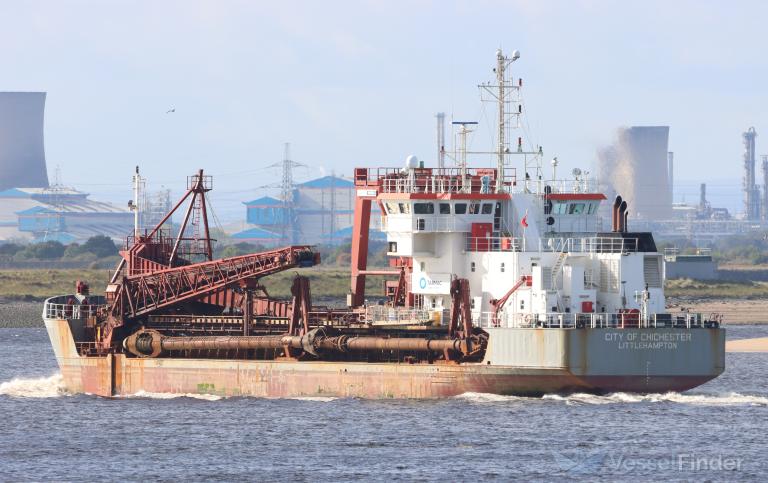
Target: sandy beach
733, 311
759, 344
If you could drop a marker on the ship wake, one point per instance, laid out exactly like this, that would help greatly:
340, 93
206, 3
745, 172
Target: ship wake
723, 399
213, 397
39, 387
170, 395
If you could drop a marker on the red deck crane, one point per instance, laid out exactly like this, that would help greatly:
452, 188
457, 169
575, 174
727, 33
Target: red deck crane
153, 275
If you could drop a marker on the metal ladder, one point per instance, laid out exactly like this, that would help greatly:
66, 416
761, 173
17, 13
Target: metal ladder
556, 268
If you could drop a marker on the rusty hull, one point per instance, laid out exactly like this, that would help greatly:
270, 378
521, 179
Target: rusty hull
563, 367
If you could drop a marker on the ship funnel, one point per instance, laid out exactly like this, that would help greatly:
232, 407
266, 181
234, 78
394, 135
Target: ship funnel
621, 218
624, 223
615, 214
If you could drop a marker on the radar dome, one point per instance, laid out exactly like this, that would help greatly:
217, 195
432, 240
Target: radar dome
411, 162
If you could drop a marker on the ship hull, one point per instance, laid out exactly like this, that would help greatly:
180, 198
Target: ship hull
534, 362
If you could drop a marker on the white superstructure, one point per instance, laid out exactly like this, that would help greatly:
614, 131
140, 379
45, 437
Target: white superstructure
531, 246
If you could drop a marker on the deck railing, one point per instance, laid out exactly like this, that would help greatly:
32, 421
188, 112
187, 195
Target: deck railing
381, 314
593, 244
70, 311
433, 180
570, 320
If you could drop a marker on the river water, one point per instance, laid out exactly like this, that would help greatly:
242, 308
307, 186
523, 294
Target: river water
716, 432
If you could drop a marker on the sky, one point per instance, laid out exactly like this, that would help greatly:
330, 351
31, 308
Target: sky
358, 84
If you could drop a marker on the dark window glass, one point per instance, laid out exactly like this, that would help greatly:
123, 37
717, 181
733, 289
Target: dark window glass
487, 208
460, 208
423, 208
445, 208
576, 208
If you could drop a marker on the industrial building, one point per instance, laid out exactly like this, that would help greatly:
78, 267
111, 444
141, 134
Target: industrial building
319, 211
701, 223
698, 266
61, 214
637, 166
30, 208
22, 156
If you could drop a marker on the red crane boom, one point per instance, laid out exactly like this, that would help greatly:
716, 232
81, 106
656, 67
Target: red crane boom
148, 292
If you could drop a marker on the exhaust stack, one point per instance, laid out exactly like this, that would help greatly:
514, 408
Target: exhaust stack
622, 219
615, 214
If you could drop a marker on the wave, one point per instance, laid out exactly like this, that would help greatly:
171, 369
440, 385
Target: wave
171, 395
313, 398
39, 387
726, 399
213, 397
485, 397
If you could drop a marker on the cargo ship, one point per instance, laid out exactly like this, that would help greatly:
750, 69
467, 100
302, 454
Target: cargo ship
496, 284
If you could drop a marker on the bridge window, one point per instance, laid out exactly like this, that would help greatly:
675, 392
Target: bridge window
460, 208
405, 208
559, 208
474, 208
592, 207
391, 208
487, 208
445, 208
576, 209
423, 208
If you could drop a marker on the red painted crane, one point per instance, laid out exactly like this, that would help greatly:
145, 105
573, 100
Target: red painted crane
154, 275
144, 293
498, 304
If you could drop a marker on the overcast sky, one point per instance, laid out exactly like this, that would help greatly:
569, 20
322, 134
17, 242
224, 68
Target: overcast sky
358, 83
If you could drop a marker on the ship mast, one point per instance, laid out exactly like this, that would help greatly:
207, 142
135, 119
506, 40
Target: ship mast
506, 95
135, 204
501, 66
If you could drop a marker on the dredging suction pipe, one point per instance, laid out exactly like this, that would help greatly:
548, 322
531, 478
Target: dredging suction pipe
150, 343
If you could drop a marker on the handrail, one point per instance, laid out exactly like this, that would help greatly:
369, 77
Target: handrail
593, 320
432, 180
71, 311
401, 315
593, 244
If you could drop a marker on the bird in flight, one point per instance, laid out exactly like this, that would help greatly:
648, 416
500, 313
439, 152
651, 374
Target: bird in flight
170, 110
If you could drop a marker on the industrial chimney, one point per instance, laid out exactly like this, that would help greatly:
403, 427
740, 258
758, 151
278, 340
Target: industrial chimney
671, 175
751, 191
765, 188
22, 157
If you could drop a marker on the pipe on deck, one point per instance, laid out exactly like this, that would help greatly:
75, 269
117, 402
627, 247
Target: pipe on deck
150, 343
228, 343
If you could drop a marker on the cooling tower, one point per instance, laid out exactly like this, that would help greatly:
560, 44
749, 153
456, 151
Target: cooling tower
636, 167
22, 157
